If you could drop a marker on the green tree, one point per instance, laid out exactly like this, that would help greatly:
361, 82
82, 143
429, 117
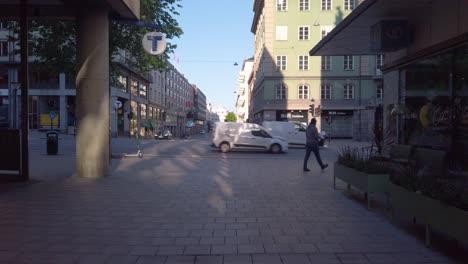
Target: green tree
54, 42
230, 117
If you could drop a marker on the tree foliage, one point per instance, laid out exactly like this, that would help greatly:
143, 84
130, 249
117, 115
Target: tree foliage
53, 43
230, 117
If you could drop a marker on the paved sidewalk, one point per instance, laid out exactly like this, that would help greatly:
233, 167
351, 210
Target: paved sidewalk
240, 208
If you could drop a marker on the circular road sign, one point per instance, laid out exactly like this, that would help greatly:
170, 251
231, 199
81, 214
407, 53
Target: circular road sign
154, 43
52, 115
190, 123
117, 104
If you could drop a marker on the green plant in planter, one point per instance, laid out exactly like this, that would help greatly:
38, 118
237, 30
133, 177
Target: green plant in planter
448, 188
362, 160
381, 140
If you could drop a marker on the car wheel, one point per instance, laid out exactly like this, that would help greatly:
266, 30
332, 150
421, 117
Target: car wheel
275, 148
224, 147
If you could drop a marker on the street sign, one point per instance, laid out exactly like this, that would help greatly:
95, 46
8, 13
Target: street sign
52, 115
190, 123
154, 43
117, 104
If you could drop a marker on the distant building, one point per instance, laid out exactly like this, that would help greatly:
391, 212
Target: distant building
218, 113
242, 102
199, 109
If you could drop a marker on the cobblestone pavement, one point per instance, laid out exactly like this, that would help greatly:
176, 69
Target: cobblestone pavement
184, 203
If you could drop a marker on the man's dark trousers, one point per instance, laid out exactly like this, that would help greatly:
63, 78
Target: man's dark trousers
315, 149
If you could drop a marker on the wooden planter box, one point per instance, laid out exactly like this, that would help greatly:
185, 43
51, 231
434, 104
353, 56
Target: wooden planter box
367, 183
432, 213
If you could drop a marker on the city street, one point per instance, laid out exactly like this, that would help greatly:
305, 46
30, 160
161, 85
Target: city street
185, 202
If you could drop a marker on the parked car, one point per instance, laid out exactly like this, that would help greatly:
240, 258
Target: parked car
245, 136
166, 134
294, 132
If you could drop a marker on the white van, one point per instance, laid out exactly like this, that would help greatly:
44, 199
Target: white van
246, 136
293, 132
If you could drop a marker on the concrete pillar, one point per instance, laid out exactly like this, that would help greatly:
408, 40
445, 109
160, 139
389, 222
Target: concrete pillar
92, 93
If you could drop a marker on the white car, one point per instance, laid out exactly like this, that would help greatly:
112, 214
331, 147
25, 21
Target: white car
294, 132
245, 136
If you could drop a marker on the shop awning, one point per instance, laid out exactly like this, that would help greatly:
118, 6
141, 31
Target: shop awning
352, 36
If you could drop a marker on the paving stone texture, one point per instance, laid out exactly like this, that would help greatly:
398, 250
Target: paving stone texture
195, 206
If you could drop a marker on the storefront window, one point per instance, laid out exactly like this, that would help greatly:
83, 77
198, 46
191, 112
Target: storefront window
436, 94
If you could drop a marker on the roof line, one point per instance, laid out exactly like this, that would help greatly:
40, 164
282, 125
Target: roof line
342, 25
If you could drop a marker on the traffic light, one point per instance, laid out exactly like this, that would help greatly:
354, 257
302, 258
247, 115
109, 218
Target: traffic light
51, 103
327, 118
312, 109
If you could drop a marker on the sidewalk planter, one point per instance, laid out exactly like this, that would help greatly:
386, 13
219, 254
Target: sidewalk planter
367, 183
433, 214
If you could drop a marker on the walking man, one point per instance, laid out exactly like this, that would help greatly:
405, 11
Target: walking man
312, 144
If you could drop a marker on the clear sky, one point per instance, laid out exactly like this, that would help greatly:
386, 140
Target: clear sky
216, 35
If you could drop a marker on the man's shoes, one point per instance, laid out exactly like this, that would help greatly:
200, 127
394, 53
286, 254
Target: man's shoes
324, 166
306, 169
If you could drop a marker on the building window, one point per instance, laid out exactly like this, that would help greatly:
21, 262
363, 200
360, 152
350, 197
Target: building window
326, 4
304, 5
142, 111
281, 63
348, 4
303, 63
282, 5
348, 91
326, 63
379, 61
281, 92
348, 63
134, 88
142, 90
324, 30
151, 113
379, 92
281, 32
303, 92
123, 82
325, 91
3, 48
304, 33
3, 25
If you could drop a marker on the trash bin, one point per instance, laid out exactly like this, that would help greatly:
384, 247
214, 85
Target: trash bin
52, 143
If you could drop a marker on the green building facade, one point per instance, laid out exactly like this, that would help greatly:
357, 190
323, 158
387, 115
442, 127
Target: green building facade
344, 91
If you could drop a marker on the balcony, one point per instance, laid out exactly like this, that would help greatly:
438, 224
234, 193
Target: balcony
241, 102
